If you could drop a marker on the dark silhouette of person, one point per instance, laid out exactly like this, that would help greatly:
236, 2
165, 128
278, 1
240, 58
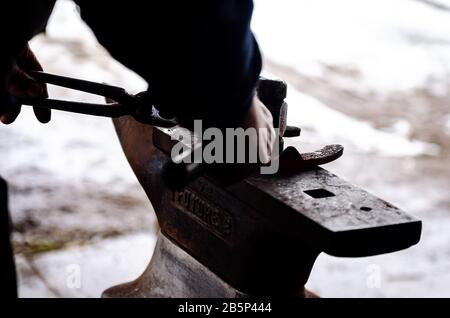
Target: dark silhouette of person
200, 59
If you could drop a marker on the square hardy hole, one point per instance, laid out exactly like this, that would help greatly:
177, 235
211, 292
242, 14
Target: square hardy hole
319, 193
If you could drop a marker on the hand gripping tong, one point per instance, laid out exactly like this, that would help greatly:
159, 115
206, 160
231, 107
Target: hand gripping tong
138, 106
141, 107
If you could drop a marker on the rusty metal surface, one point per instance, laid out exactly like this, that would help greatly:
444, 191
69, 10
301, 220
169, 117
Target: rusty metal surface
270, 227
275, 226
333, 215
292, 160
174, 273
236, 242
250, 229
263, 234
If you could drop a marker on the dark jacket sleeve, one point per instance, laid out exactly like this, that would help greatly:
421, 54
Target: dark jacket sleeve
20, 20
200, 57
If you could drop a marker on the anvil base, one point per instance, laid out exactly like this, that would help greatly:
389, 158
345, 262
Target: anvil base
174, 273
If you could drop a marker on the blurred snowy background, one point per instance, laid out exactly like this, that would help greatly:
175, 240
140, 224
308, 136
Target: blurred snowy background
371, 75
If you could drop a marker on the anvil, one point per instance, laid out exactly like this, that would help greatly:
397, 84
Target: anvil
259, 236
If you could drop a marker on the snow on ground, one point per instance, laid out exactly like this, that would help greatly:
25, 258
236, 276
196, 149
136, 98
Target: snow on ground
69, 48
330, 126
69, 180
361, 38
373, 48
88, 270
447, 123
71, 173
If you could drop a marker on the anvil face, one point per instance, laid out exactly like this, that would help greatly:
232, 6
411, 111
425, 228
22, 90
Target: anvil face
273, 227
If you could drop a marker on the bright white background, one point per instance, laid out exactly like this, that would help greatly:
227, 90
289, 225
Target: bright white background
367, 74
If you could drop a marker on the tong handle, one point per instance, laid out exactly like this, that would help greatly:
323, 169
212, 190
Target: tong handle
113, 92
103, 110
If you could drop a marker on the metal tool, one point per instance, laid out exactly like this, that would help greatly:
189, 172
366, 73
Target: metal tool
139, 106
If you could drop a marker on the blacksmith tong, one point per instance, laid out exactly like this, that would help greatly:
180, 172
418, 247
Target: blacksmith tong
140, 107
